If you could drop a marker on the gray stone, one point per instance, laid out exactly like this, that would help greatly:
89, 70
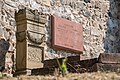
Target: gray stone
46, 2
112, 38
12, 22
22, 1
34, 5
10, 3
1, 4
112, 23
4, 46
87, 1
1, 33
38, 1
95, 32
86, 14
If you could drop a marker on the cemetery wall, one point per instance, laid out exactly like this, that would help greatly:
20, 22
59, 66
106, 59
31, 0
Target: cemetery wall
99, 19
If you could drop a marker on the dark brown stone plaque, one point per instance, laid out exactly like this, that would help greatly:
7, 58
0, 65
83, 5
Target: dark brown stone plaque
67, 35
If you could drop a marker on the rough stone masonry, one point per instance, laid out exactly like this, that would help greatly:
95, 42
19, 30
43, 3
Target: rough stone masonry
99, 18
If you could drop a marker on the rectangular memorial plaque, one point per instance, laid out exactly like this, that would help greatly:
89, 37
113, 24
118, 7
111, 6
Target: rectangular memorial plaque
67, 35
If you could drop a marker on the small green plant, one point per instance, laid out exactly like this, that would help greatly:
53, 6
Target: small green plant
63, 66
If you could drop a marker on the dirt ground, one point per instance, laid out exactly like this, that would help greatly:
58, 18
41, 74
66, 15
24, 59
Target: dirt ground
71, 76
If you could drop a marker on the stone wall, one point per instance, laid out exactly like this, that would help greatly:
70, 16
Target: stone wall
98, 17
112, 39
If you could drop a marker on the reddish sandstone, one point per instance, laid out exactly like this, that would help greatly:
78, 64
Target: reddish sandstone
67, 35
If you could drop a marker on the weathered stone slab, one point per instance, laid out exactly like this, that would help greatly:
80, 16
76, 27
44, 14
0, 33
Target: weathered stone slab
30, 35
106, 67
35, 56
28, 56
67, 35
109, 58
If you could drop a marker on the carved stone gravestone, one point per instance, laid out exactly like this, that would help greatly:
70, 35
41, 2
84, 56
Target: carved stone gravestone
67, 35
30, 37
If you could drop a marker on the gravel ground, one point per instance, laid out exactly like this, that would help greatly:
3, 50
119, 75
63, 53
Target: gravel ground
71, 76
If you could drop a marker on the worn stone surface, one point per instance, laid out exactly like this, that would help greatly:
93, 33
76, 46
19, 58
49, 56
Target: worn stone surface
35, 57
106, 67
109, 58
30, 36
67, 35
112, 36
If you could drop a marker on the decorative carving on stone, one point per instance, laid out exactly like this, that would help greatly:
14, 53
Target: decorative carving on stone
30, 36
31, 15
33, 54
38, 28
35, 38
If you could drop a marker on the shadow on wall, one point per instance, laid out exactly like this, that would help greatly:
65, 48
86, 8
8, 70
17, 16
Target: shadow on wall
4, 46
112, 39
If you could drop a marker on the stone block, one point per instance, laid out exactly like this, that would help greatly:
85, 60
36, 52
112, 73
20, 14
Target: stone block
46, 2
39, 28
31, 15
67, 35
35, 56
109, 58
44, 71
30, 35
106, 67
29, 55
